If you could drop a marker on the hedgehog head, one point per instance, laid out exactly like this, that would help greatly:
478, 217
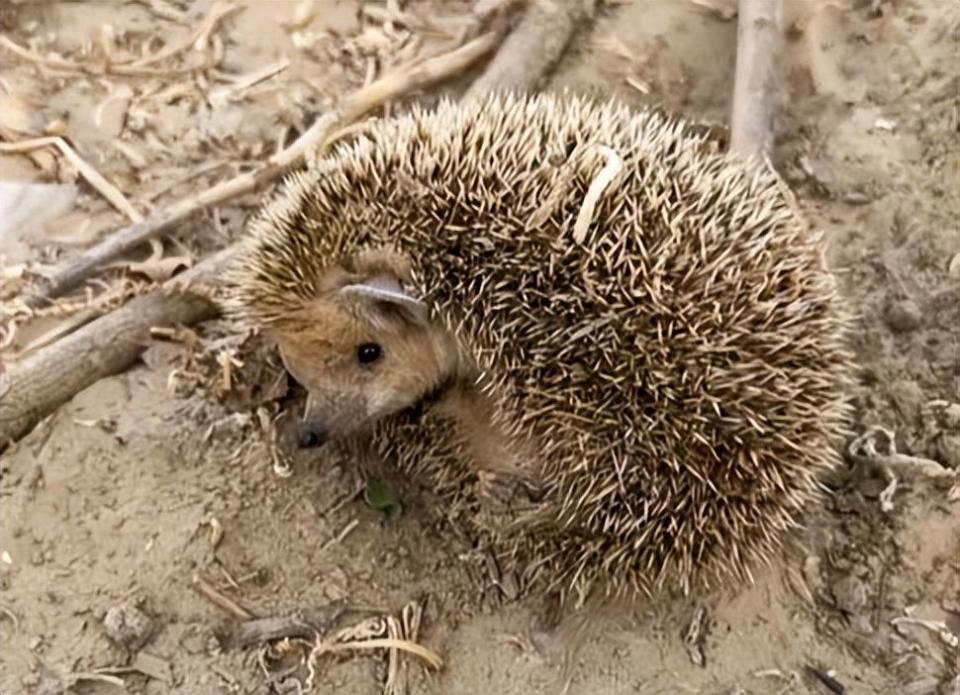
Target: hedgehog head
363, 348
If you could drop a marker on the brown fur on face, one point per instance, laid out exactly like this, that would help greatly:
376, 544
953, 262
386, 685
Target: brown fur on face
362, 302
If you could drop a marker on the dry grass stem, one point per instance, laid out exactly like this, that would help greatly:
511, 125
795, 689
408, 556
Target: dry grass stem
430, 657
91, 175
244, 82
202, 587
198, 39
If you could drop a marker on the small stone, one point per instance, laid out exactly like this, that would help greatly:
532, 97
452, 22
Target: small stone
887, 124
811, 573
907, 396
903, 316
850, 594
954, 267
951, 415
949, 450
128, 626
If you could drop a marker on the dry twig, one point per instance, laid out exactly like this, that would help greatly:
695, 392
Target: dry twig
304, 624
202, 587
58, 63
353, 107
428, 655
92, 176
198, 39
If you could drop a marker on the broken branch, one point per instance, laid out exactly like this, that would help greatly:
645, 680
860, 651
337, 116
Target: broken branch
307, 624
532, 49
35, 387
756, 84
356, 105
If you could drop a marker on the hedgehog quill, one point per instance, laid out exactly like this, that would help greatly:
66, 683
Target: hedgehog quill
617, 352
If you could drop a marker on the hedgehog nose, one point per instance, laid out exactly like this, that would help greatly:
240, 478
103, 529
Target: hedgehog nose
310, 438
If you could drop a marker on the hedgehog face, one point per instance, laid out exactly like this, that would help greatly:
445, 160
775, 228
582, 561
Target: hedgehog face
364, 349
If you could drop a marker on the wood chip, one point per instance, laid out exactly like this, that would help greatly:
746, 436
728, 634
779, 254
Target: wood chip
154, 667
111, 113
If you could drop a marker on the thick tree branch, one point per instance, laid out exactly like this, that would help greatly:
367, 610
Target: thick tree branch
757, 81
532, 49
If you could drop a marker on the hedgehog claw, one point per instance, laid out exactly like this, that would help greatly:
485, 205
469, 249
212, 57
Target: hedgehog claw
508, 487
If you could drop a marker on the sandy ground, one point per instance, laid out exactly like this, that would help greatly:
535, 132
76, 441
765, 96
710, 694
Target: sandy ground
106, 509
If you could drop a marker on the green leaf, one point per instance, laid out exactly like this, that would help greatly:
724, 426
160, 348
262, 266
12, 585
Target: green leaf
380, 495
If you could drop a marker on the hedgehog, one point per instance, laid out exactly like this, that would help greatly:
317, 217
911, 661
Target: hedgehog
616, 350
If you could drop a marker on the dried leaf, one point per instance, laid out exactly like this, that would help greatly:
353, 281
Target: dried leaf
19, 116
160, 269
154, 667
111, 113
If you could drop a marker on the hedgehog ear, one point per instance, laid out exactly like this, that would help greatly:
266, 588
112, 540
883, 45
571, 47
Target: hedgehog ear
386, 300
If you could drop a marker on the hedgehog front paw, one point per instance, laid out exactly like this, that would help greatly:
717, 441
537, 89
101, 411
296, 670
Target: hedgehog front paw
509, 488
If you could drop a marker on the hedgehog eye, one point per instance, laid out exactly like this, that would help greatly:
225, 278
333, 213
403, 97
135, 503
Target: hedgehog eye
368, 353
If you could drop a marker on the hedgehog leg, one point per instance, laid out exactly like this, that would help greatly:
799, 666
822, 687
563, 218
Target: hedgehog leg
503, 465
510, 487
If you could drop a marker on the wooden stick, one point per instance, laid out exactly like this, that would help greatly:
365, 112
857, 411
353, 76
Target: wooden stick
303, 624
93, 177
203, 587
44, 380
353, 107
532, 49
755, 91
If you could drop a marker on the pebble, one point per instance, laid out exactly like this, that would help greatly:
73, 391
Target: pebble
850, 594
949, 450
903, 316
128, 626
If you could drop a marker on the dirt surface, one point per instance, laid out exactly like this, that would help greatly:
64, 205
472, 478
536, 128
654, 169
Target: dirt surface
109, 508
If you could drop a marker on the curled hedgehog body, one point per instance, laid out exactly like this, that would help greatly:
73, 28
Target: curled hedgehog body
585, 304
